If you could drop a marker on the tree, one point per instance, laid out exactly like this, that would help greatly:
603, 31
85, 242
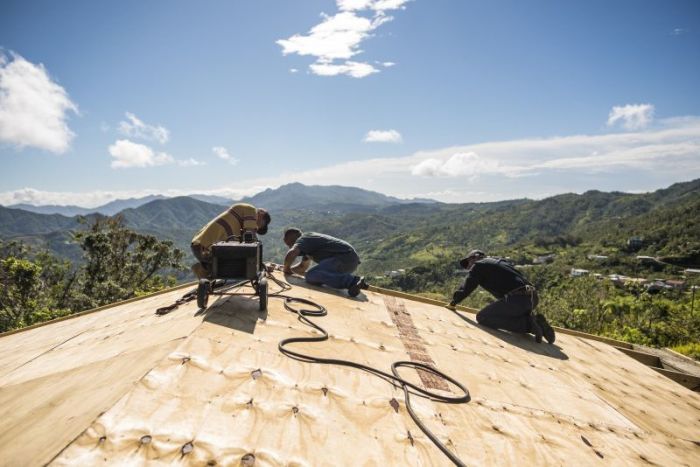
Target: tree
118, 264
30, 287
121, 263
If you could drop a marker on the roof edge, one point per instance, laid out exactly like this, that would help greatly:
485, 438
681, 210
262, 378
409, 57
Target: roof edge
100, 308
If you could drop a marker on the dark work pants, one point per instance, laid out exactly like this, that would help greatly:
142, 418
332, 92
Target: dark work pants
511, 313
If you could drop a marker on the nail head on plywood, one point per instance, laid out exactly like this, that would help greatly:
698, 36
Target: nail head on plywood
394, 405
187, 448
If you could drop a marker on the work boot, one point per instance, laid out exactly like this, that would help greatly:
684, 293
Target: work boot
535, 328
547, 330
359, 284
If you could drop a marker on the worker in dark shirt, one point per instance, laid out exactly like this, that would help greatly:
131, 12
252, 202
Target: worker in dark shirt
336, 259
517, 298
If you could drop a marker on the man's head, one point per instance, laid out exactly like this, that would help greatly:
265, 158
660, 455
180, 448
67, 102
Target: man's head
291, 235
263, 220
473, 256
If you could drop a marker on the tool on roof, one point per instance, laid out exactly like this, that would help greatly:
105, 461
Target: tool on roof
239, 261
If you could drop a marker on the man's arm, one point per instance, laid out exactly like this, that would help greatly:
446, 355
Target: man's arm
289, 259
470, 283
302, 266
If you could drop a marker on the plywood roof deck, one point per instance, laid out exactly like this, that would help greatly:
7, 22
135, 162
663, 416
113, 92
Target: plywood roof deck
124, 386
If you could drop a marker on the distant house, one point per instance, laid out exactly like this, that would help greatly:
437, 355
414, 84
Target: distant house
647, 260
675, 284
544, 259
617, 279
597, 257
579, 272
657, 286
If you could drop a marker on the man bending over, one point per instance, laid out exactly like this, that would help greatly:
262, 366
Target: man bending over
336, 259
229, 225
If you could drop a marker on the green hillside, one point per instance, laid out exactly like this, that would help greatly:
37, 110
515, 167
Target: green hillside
392, 234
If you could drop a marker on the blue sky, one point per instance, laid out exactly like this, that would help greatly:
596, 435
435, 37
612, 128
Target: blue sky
454, 100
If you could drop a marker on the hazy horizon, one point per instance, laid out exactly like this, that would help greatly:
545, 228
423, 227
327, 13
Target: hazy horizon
149, 193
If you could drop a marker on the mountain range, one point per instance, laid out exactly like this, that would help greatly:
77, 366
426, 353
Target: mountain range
391, 232
293, 195
109, 209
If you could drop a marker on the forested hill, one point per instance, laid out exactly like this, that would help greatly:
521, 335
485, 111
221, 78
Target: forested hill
391, 232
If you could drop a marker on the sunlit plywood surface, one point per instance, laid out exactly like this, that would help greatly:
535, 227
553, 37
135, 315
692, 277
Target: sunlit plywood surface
214, 390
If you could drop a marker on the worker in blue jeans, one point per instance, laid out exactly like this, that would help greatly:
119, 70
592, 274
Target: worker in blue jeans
337, 260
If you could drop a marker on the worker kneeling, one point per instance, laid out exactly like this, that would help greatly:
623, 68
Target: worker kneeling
517, 298
336, 259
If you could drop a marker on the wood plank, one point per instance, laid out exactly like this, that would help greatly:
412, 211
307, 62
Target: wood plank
643, 357
689, 381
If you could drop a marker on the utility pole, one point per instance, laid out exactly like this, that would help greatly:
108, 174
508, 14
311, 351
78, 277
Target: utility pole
689, 273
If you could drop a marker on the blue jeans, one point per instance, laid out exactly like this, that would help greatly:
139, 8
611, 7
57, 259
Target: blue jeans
334, 272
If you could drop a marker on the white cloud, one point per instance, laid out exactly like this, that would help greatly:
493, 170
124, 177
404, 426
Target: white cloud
385, 5
631, 116
353, 69
461, 164
383, 136
678, 31
191, 162
376, 5
135, 128
672, 152
128, 154
489, 171
337, 38
351, 5
33, 108
222, 153
293, 70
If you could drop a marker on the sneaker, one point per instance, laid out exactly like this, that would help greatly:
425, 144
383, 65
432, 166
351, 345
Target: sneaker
547, 330
535, 328
359, 284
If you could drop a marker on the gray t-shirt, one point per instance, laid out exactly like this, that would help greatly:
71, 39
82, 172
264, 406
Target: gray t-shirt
319, 246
